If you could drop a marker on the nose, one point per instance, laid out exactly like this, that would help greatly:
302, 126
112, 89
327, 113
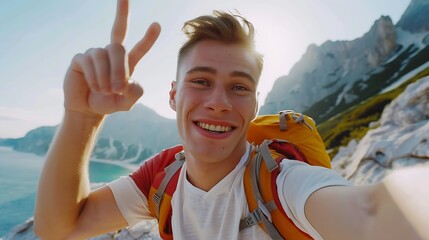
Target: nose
218, 100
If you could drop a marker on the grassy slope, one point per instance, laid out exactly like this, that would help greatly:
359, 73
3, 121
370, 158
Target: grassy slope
353, 123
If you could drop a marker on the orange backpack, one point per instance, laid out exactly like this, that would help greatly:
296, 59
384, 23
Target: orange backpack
291, 136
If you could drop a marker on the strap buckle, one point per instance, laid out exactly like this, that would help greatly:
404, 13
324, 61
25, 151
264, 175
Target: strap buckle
253, 218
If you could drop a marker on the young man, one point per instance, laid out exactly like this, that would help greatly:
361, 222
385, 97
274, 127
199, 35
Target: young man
214, 97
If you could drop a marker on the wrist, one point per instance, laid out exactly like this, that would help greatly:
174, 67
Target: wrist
86, 119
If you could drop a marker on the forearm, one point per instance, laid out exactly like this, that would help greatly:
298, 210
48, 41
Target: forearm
396, 208
403, 205
386, 219
64, 182
400, 207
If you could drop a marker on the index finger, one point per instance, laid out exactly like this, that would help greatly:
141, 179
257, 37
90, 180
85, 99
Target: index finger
119, 28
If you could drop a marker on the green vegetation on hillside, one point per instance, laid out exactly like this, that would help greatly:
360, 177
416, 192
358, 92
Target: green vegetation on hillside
353, 123
377, 79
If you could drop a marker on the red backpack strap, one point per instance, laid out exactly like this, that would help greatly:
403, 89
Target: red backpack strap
261, 190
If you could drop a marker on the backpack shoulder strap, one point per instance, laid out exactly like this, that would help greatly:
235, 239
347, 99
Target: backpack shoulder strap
161, 192
261, 190
170, 171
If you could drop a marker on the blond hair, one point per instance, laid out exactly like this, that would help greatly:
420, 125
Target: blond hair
224, 27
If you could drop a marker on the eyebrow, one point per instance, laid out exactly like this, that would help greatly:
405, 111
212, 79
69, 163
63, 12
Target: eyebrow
243, 75
214, 71
202, 69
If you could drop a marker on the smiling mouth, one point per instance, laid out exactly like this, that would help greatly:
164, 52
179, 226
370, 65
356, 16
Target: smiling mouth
214, 128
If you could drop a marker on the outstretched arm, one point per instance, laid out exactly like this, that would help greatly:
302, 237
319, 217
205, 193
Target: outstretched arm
396, 208
97, 83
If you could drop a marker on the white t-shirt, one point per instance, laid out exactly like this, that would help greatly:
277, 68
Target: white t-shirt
216, 214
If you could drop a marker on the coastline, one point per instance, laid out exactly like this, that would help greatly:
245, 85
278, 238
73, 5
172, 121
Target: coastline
20, 172
124, 164
120, 163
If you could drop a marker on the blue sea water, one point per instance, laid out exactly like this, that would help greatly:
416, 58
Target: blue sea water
19, 174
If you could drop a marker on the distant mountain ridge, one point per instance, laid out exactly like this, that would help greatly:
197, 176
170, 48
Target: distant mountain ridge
415, 17
337, 75
141, 125
130, 136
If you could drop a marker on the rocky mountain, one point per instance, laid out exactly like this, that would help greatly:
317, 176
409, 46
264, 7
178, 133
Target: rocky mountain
35, 141
415, 17
399, 139
141, 125
337, 75
131, 136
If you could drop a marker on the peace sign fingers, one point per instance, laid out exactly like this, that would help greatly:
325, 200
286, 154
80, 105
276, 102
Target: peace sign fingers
118, 35
144, 45
119, 29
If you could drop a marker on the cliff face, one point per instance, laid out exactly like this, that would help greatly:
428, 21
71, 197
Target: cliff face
332, 67
335, 76
400, 140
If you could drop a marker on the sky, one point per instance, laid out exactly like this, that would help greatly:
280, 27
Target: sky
38, 39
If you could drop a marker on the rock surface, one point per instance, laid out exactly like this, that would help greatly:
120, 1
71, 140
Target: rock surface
400, 140
332, 67
144, 230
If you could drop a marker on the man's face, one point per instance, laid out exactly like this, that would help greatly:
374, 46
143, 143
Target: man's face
215, 99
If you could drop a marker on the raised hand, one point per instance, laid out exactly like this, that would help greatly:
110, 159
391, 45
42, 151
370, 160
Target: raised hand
98, 81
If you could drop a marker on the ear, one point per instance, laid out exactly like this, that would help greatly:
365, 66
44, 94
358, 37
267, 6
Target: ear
172, 93
255, 114
256, 110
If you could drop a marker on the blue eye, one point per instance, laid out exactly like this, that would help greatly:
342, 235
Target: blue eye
239, 88
201, 82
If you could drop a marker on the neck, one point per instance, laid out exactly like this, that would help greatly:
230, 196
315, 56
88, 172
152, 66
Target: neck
206, 174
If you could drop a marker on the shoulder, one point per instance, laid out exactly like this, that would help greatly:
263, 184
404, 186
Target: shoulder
298, 175
296, 182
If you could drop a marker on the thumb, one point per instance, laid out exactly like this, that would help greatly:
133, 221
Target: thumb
130, 96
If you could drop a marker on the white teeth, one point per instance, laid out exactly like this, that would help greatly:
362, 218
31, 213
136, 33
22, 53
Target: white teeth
214, 128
